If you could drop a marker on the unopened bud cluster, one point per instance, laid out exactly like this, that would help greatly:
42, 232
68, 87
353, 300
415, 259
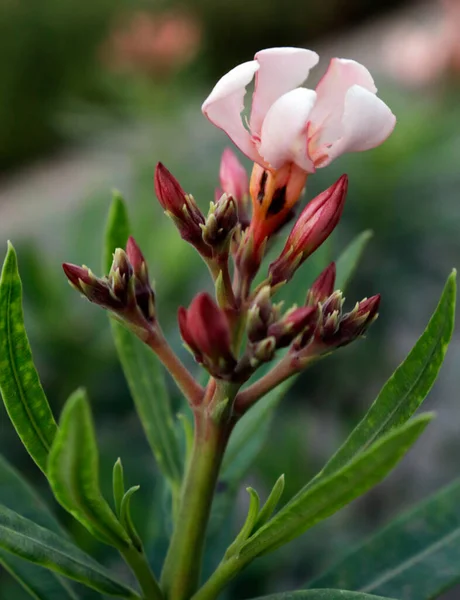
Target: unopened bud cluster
126, 291
243, 328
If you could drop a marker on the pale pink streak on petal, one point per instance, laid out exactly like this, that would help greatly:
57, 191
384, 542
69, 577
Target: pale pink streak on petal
225, 103
332, 88
284, 136
367, 122
281, 70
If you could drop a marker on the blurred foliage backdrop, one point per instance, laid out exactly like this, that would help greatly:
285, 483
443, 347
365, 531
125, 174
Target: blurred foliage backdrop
103, 79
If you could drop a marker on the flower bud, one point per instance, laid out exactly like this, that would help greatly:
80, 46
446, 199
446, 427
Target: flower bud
316, 222
234, 181
120, 276
292, 324
94, 289
204, 328
181, 207
274, 194
355, 323
263, 351
220, 223
145, 296
322, 287
260, 315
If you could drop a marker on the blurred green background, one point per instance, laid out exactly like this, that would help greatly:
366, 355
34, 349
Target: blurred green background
93, 94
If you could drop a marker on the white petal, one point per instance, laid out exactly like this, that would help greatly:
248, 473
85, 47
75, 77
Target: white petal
367, 122
281, 70
341, 75
225, 103
284, 137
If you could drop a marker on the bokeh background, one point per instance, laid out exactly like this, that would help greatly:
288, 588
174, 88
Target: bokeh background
94, 92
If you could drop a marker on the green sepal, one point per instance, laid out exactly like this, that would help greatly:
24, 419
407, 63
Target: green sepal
22, 392
73, 473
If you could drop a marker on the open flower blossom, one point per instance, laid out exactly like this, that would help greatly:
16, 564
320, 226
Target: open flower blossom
293, 124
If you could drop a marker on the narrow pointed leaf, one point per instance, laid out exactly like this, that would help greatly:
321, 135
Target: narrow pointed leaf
349, 259
118, 485
22, 393
408, 387
73, 473
142, 369
321, 595
425, 553
125, 517
315, 503
37, 581
248, 526
270, 505
43, 547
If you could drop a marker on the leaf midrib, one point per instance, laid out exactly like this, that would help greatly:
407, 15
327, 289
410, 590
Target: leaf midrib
22, 394
389, 574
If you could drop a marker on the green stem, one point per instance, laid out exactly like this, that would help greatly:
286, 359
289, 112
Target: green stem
224, 573
182, 567
138, 563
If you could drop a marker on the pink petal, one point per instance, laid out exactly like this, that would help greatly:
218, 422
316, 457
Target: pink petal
281, 70
225, 103
367, 122
283, 137
331, 91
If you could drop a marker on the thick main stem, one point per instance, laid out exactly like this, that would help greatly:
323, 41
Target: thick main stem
182, 567
138, 563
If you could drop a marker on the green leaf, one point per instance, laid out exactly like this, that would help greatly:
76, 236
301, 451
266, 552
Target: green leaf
142, 369
125, 517
40, 583
313, 504
321, 595
38, 545
425, 553
348, 261
117, 229
254, 503
408, 387
118, 485
270, 505
73, 473
22, 393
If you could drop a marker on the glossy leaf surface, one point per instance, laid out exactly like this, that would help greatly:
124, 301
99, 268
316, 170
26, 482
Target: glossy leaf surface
22, 393
73, 473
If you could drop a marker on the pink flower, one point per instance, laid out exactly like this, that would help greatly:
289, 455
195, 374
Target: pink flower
292, 124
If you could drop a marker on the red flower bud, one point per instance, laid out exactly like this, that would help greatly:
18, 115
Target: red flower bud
316, 222
293, 324
355, 323
95, 289
322, 287
204, 328
145, 296
181, 207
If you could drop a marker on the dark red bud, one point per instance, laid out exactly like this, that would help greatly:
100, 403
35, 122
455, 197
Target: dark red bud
95, 289
205, 329
169, 191
314, 225
135, 256
76, 275
323, 286
293, 324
